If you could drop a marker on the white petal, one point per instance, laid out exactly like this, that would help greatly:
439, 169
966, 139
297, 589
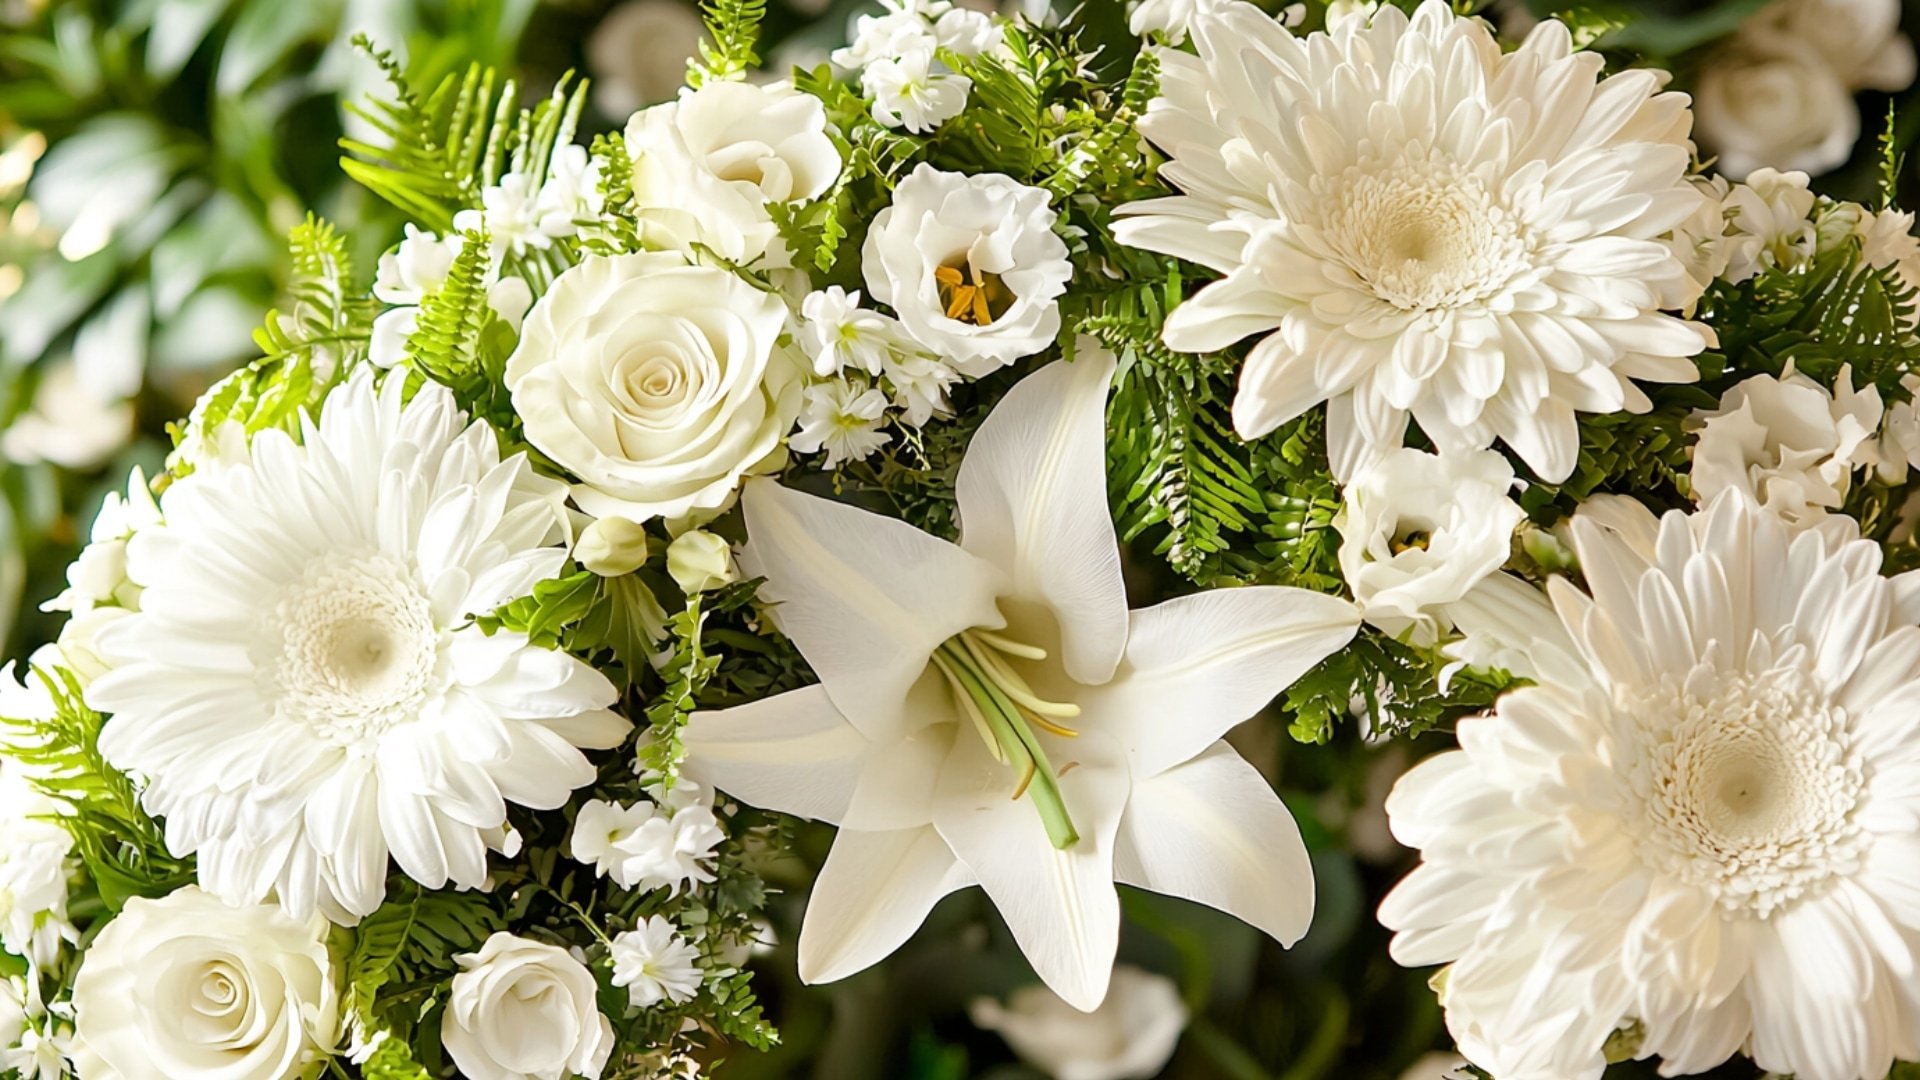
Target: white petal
793, 753
1213, 832
1061, 905
1201, 664
1033, 501
866, 598
873, 893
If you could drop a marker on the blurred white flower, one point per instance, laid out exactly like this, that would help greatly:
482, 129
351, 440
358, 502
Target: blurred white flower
70, 423
1418, 530
843, 419
1777, 106
35, 863
1788, 443
1860, 40
1131, 1036
655, 964
638, 53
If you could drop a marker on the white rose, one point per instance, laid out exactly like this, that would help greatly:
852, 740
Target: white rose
1774, 103
1131, 1036
971, 265
188, 986
1789, 443
638, 54
521, 1010
698, 560
1859, 39
1418, 530
656, 382
706, 166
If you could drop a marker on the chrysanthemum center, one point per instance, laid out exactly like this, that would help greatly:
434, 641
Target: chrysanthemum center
357, 648
1422, 234
1748, 786
979, 667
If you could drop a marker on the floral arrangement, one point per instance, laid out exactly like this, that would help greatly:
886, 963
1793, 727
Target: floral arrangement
953, 443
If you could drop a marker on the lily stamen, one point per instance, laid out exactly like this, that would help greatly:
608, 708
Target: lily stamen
1005, 711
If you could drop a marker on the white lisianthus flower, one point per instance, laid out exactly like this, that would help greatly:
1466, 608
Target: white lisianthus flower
706, 166
843, 419
36, 861
1416, 224
571, 193
71, 423
1131, 1036
523, 1010
1704, 823
1769, 223
1788, 443
99, 575
638, 53
416, 269
1700, 243
1418, 530
1774, 104
971, 265
655, 964
189, 986
337, 703
837, 333
648, 846
914, 91
659, 412
698, 560
955, 675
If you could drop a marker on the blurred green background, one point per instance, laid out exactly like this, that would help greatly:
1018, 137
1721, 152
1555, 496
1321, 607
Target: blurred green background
153, 153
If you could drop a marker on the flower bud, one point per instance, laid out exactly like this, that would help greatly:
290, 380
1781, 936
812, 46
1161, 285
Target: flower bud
612, 546
699, 561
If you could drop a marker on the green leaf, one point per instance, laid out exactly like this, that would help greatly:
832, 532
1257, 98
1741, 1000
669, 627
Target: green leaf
733, 27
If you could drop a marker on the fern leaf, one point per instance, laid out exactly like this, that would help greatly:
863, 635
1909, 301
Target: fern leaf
727, 52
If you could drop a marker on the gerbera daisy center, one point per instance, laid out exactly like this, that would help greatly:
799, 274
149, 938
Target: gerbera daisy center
1748, 785
357, 648
1423, 234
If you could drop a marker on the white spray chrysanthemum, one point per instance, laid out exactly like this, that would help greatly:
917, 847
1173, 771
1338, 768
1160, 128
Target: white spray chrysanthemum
655, 964
304, 690
1701, 818
1418, 225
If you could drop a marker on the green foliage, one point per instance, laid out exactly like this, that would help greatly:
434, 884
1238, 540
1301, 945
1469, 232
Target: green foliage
402, 957
733, 27
686, 672
438, 153
1395, 684
124, 850
460, 343
1836, 311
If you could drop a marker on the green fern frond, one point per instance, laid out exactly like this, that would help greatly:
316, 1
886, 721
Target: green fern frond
124, 849
459, 342
727, 52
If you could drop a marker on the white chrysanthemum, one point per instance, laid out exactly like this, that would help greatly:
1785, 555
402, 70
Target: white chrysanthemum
1704, 817
304, 690
1769, 220
1789, 443
843, 419
1417, 224
655, 964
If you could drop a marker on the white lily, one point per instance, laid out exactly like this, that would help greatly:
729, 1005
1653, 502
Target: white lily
991, 713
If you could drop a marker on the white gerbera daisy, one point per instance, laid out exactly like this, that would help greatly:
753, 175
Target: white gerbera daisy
303, 689
1705, 817
1421, 225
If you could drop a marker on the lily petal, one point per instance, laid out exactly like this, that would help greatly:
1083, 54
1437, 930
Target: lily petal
1213, 832
1201, 664
873, 893
1061, 905
793, 753
867, 599
1033, 501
